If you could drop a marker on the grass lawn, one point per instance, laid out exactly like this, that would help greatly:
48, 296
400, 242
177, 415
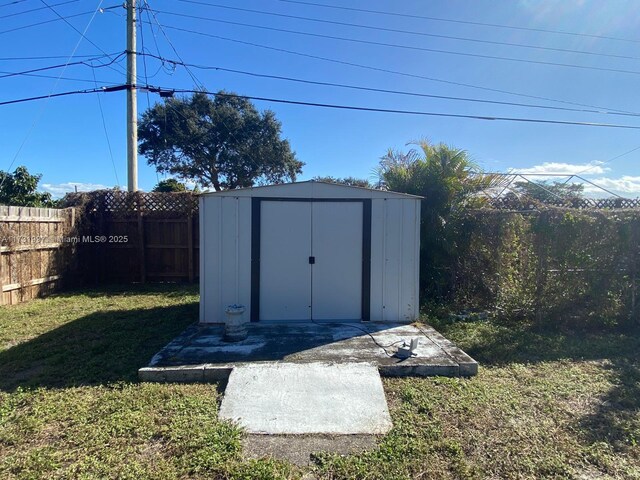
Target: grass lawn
545, 405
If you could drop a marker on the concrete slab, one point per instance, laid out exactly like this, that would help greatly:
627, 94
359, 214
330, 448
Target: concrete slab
307, 398
201, 354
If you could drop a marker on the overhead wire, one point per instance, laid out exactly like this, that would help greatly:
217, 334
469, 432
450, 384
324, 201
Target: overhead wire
390, 110
78, 31
37, 9
43, 22
86, 63
197, 82
465, 22
155, 38
390, 71
144, 58
70, 79
62, 94
606, 162
166, 37
41, 112
106, 133
14, 2
382, 90
394, 30
42, 57
52, 20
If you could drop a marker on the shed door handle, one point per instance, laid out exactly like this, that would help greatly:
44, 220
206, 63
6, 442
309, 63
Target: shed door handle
312, 260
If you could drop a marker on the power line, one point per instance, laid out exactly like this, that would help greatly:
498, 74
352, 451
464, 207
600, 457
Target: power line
166, 37
37, 9
406, 47
106, 133
114, 88
380, 90
466, 22
144, 58
395, 72
84, 80
15, 2
39, 115
608, 161
81, 34
44, 22
45, 57
155, 37
65, 65
389, 110
392, 30
191, 74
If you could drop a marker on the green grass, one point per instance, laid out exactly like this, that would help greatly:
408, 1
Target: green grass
545, 404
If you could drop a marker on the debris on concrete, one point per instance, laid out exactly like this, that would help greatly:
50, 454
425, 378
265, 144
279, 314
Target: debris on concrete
201, 354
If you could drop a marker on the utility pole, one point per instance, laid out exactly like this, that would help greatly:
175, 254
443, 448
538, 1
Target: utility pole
132, 100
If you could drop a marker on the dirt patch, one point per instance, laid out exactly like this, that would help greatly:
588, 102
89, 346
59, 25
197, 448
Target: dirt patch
298, 449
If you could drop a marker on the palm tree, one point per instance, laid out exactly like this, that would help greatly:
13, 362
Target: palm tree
449, 181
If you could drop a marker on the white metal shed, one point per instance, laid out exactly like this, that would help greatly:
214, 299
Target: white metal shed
310, 251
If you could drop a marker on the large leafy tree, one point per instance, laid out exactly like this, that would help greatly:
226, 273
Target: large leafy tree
446, 177
20, 188
223, 143
170, 185
349, 181
549, 192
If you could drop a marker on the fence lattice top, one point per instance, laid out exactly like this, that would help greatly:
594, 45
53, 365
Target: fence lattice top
123, 204
512, 203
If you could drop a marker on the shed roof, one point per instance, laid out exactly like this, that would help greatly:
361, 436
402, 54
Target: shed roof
311, 189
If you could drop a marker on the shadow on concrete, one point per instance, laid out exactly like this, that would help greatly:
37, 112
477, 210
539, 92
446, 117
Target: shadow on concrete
201, 352
200, 344
99, 348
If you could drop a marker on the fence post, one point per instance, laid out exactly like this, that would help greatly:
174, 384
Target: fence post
141, 252
633, 246
1, 279
190, 246
100, 271
541, 273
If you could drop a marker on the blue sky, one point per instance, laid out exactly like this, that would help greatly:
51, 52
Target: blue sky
64, 139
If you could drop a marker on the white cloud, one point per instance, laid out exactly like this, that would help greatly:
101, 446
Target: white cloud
625, 186
558, 168
60, 189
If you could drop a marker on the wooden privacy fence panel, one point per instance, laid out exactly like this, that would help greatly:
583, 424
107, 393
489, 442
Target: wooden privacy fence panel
37, 247
143, 248
139, 237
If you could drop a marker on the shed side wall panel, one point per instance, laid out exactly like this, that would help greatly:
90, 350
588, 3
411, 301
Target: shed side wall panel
408, 299
210, 247
395, 259
229, 273
201, 258
392, 259
244, 255
377, 258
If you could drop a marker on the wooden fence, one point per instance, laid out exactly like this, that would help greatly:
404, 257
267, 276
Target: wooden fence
138, 237
37, 251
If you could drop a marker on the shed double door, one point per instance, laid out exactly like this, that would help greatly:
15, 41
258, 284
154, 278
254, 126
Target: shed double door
311, 260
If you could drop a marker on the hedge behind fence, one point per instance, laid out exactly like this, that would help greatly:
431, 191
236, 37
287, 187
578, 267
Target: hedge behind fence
568, 267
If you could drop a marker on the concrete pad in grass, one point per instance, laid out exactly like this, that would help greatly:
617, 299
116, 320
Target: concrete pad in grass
308, 398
